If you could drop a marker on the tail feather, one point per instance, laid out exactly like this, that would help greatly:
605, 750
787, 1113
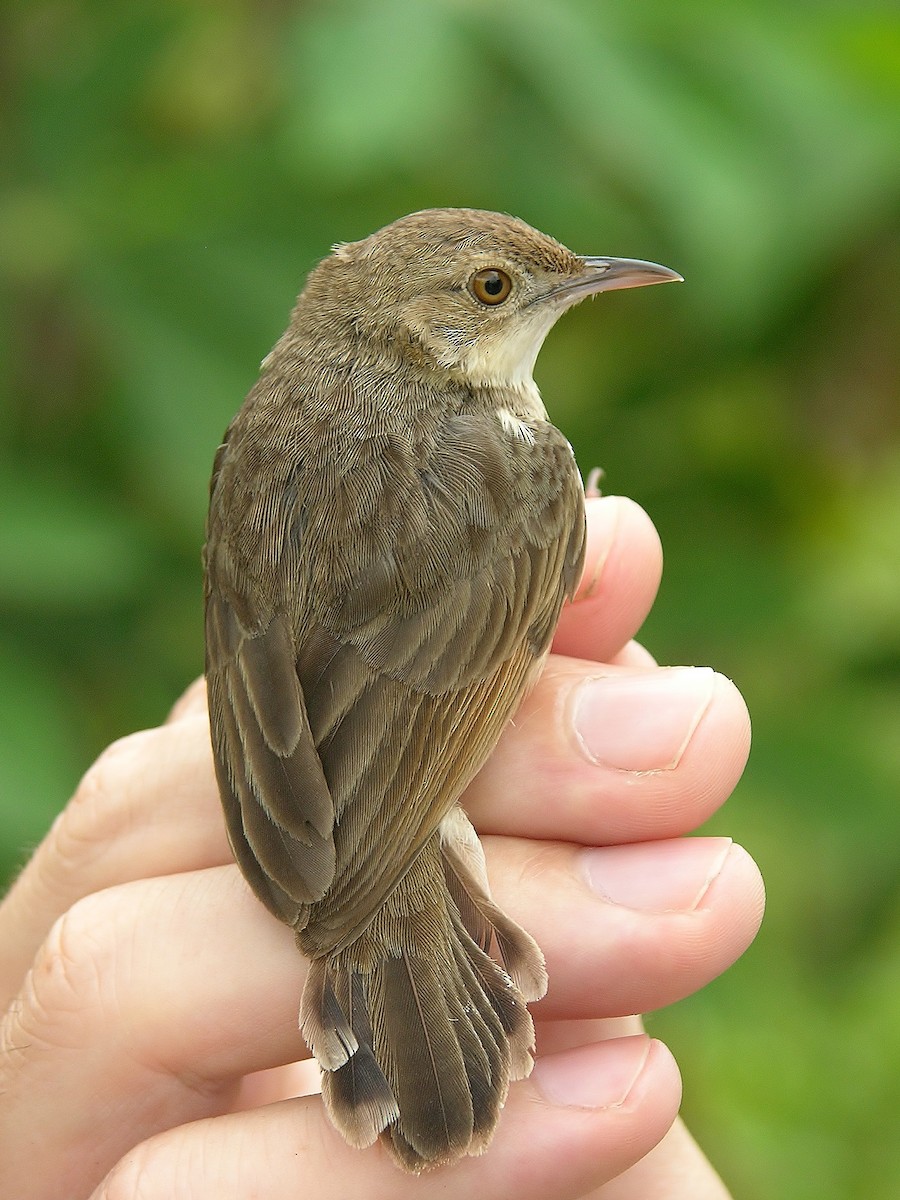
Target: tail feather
515, 1036
417, 1028
488, 1059
491, 928
324, 1021
426, 1059
336, 1024
360, 1099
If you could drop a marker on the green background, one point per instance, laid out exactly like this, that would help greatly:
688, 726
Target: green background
170, 172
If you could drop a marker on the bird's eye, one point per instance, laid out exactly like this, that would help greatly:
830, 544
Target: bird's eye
490, 286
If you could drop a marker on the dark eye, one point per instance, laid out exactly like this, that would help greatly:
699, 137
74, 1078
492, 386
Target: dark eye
490, 286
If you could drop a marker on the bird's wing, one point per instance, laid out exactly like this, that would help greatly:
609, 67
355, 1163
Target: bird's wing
349, 719
277, 803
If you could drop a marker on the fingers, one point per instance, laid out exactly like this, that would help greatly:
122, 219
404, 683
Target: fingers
150, 1001
628, 929
622, 569
613, 754
148, 806
676, 1168
582, 1118
677, 741
595, 756
140, 1013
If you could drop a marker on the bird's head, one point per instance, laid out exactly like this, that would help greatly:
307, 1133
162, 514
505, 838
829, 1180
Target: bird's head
476, 291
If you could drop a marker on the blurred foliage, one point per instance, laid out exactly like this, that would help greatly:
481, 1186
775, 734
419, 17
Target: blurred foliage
171, 170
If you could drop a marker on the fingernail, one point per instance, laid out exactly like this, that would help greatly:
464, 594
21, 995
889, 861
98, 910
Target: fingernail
644, 721
671, 876
598, 1076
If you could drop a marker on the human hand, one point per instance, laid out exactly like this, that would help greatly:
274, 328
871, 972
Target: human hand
151, 1048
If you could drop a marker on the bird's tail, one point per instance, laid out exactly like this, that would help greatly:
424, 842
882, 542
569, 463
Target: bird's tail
417, 1026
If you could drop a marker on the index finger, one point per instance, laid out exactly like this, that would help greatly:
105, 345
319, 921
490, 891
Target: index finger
622, 570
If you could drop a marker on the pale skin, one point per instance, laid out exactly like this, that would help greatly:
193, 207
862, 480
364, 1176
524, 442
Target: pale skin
147, 988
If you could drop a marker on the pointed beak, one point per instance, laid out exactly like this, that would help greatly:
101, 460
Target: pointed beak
609, 274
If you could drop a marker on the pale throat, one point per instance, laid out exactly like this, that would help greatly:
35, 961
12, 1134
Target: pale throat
505, 362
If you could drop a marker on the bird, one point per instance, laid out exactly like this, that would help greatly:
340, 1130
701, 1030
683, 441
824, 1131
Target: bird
394, 525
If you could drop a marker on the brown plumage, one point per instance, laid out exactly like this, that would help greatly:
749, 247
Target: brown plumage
394, 526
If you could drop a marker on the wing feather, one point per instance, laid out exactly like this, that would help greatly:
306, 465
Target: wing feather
412, 593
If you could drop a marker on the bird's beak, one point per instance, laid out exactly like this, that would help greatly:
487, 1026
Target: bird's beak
608, 274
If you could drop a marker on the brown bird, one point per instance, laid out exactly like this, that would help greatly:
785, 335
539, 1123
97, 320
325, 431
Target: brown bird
394, 525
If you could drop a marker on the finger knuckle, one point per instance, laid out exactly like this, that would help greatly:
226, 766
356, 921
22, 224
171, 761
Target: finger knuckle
71, 985
101, 810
